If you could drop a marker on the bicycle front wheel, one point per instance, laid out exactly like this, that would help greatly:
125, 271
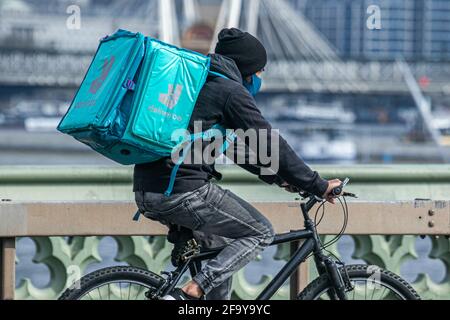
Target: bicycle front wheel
369, 282
118, 283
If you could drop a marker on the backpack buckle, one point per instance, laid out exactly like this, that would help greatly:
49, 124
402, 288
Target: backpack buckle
129, 85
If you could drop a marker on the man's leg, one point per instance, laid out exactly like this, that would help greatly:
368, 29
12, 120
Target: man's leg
226, 215
222, 292
213, 211
179, 236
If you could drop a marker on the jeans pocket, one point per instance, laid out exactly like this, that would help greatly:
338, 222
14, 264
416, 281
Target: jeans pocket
215, 195
193, 220
203, 191
164, 208
182, 215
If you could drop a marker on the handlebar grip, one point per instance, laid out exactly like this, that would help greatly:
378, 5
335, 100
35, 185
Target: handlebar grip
337, 191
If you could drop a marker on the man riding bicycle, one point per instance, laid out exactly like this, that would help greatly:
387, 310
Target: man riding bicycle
198, 208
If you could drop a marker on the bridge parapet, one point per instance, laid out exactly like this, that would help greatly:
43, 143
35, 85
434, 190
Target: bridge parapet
383, 232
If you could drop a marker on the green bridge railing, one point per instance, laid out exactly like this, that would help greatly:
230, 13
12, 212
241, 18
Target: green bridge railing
378, 183
372, 183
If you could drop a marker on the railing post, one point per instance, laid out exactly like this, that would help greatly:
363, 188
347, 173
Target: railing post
7, 268
299, 280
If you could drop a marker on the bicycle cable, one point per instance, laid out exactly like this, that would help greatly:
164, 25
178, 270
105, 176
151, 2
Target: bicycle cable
344, 227
322, 206
345, 210
341, 232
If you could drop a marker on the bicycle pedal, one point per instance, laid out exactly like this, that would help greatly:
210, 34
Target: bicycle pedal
190, 254
167, 274
192, 249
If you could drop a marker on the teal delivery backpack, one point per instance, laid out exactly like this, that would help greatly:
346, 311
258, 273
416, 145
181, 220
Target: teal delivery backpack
137, 92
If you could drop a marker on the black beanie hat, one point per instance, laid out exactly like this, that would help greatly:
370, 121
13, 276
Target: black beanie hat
247, 51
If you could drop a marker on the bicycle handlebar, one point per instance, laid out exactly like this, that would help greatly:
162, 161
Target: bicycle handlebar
336, 192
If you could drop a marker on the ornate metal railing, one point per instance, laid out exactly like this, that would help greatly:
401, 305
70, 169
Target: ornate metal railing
58, 260
88, 235
67, 259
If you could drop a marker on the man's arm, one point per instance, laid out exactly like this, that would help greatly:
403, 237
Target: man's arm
242, 113
237, 150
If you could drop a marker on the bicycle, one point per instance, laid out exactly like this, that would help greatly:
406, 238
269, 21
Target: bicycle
336, 281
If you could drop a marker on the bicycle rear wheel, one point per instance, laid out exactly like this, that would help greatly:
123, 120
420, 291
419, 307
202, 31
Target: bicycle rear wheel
370, 283
118, 283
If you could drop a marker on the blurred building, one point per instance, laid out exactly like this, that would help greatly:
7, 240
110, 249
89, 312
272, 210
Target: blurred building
42, 25
413, 29
358, 105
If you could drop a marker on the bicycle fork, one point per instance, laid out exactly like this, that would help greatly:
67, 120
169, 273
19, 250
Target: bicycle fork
340, 286
325, 265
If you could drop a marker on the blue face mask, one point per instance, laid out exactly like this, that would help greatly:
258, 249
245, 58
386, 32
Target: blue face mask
254, 86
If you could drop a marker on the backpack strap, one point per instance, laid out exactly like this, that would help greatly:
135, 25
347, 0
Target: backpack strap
217, 74
216, 131
230, 138
173, 176
137, 216
212, 133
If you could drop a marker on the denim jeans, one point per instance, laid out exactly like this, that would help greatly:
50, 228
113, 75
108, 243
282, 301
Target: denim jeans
218, 217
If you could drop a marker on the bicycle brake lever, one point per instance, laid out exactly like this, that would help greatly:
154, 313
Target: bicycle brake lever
350, 195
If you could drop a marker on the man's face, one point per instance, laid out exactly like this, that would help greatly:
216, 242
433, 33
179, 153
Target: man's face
258, 74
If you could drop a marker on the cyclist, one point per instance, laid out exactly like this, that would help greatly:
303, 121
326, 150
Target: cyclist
216, 216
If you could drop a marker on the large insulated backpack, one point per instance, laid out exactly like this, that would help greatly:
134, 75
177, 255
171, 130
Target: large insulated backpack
137, 92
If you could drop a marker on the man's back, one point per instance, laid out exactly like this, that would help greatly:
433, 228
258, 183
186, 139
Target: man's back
205, 208
209, 110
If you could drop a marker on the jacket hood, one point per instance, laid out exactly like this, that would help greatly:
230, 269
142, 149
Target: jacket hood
225, 66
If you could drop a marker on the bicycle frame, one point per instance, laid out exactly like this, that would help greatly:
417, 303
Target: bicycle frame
311, 245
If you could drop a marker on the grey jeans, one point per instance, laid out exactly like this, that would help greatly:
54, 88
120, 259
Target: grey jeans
218, 217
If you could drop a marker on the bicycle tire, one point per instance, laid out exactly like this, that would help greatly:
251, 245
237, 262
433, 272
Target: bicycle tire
317, 288
108, 275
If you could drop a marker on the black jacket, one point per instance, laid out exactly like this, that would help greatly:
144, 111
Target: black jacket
229, 104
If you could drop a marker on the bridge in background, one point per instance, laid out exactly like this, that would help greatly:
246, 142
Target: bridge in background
37, 49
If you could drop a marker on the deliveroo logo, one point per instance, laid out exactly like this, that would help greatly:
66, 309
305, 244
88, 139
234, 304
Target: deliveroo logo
170, 100
106, 69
